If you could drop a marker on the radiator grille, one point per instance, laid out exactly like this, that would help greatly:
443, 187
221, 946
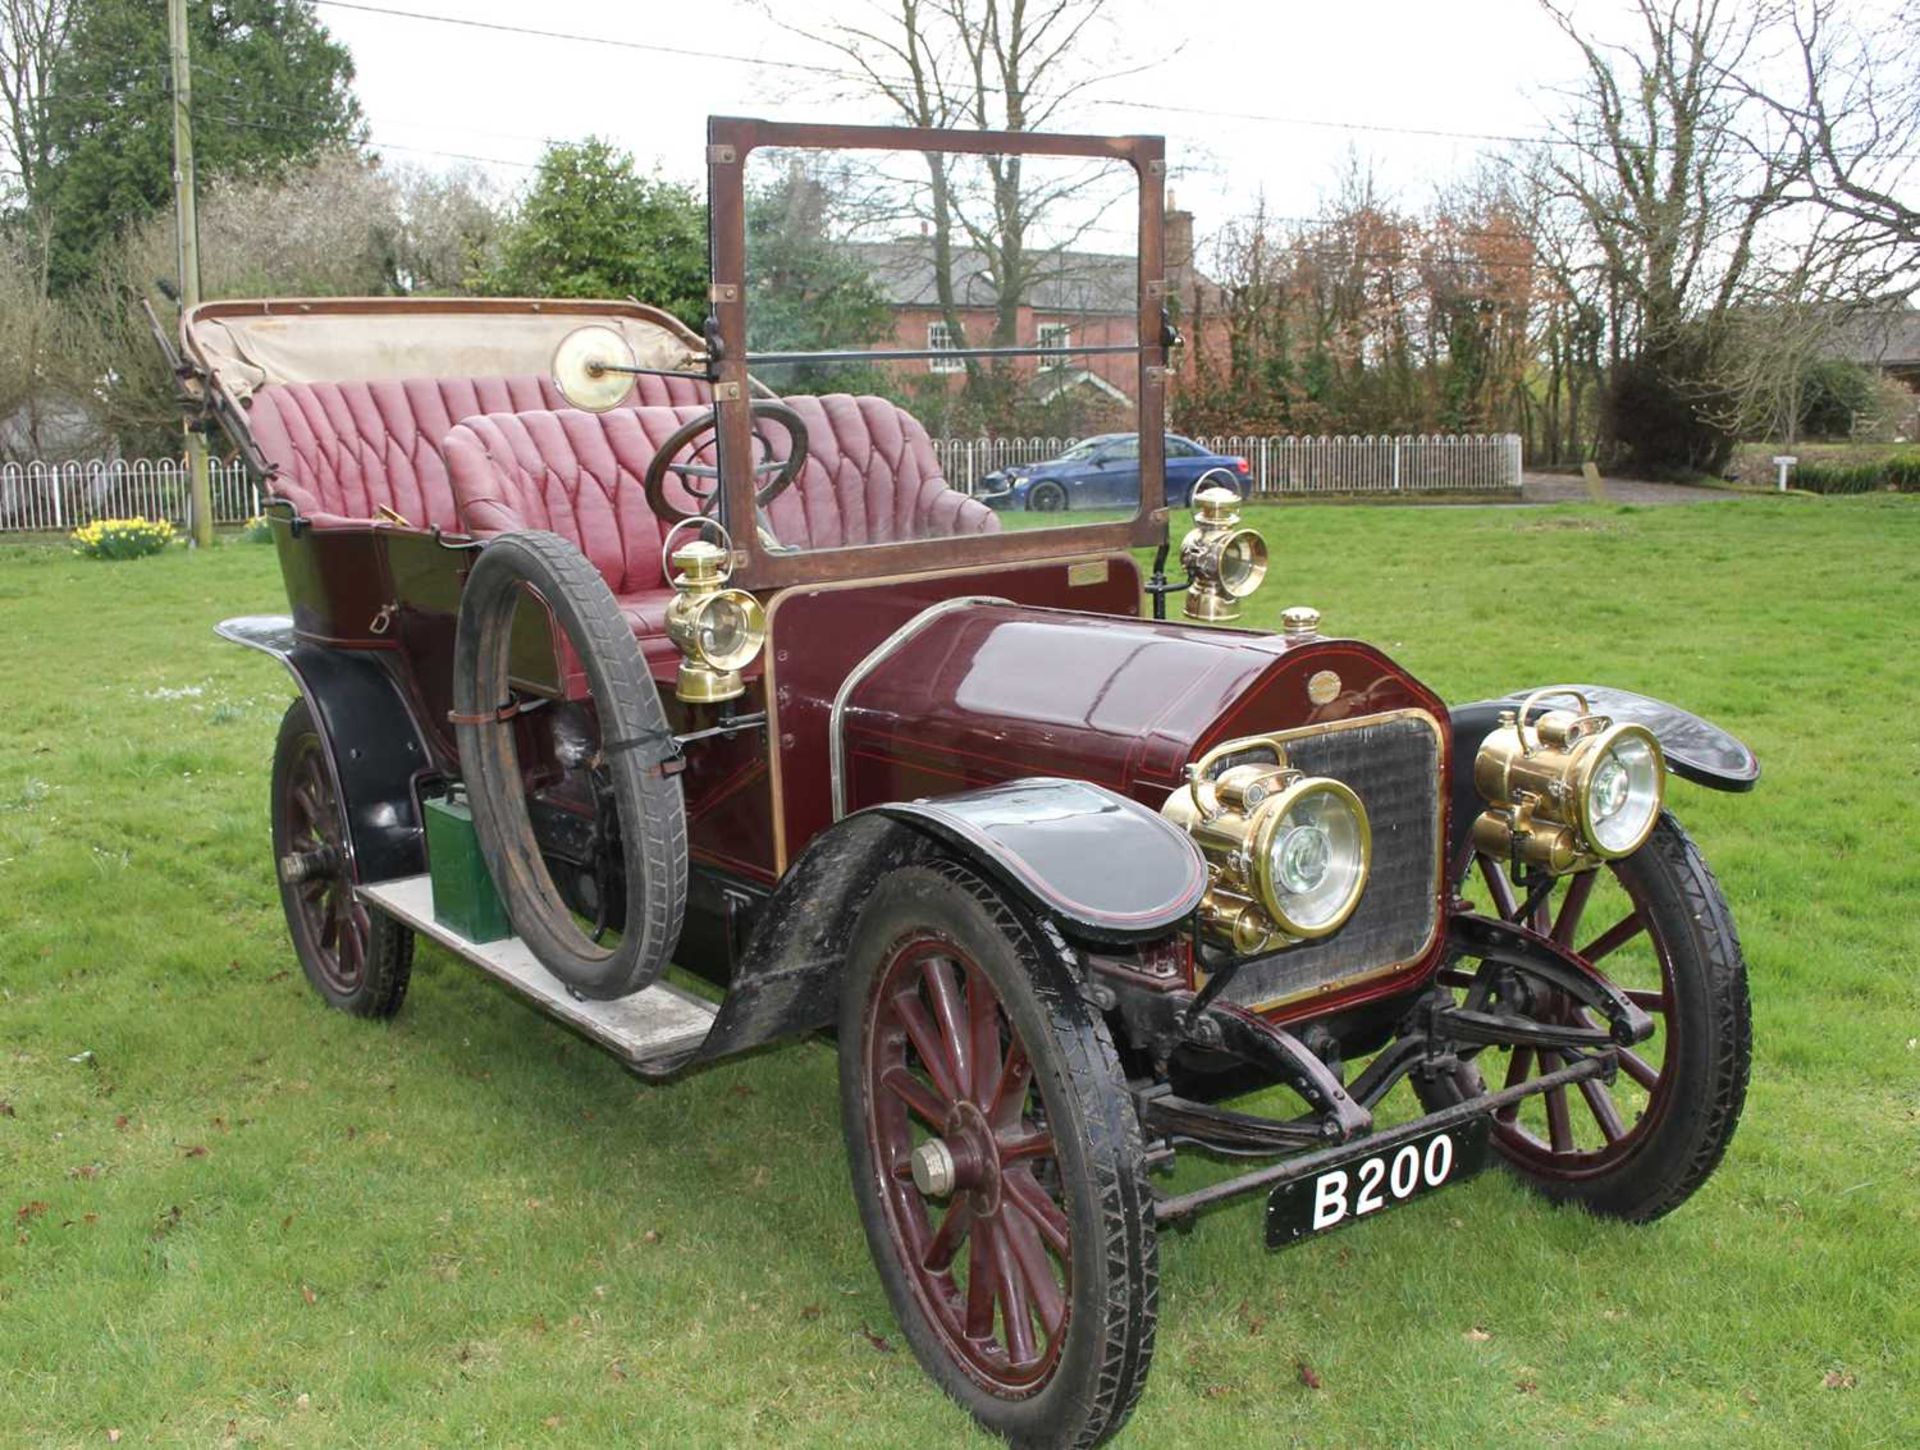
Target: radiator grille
1393, 764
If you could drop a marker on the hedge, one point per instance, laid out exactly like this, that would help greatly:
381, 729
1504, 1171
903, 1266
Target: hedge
1899, 475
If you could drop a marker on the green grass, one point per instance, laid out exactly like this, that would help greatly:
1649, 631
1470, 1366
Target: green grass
469, 1227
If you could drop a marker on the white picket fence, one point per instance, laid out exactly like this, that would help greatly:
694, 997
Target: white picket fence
1437, 463
56, 497
60, 496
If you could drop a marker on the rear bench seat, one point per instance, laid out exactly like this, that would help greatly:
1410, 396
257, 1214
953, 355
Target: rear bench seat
871, 477
341, 451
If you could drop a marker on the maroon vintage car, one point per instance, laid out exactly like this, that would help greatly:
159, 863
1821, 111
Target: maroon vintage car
622, 645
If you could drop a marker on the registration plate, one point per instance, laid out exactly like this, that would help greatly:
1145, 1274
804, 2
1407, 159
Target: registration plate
1369, 1182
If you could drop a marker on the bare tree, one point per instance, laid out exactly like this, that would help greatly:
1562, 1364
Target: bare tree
32, 33
1009, 65
1852, 106
1742, 174
1676, 182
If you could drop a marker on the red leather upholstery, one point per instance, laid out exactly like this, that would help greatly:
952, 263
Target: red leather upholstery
344, 449
871, 477
576, 474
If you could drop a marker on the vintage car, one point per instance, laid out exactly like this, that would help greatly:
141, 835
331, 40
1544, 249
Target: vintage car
1104, 472
622, 646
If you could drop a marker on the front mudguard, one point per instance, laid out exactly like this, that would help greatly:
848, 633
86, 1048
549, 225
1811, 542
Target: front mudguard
1696, 749
374, 748
1092, 863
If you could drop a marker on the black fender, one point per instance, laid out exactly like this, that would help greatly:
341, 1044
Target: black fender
374, 747
1696, 749
1095, 864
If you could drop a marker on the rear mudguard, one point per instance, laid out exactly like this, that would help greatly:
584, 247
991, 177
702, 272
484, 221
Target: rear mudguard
1094, 864
1696, 749
373, 746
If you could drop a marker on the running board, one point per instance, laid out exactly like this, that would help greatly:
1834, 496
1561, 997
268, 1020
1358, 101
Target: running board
652, 1031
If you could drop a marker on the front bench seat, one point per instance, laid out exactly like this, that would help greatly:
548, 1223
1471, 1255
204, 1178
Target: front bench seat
343, 450
871, 477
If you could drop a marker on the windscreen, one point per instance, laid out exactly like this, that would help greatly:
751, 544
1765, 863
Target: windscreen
957, 334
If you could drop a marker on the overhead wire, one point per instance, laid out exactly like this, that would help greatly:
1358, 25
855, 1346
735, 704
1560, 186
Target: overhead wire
838, 73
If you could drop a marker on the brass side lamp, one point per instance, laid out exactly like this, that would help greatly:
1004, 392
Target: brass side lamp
1224, 562
717, 630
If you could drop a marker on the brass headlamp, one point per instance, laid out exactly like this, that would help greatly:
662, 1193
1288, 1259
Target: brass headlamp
1287, 853
717, 630
1224, 562
1568, 788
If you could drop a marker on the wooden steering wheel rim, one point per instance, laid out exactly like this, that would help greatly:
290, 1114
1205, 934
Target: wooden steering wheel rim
669, 450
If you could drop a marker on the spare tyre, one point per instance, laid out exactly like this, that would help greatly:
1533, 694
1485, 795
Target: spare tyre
635, 746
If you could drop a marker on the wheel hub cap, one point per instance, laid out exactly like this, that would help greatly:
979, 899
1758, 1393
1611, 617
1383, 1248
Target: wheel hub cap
933, 1168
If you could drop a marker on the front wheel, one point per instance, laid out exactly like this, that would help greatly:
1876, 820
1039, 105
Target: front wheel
1047, 497
996, 1161
1657, 924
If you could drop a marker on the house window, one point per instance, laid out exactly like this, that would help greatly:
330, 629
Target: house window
1055, 337
940, 339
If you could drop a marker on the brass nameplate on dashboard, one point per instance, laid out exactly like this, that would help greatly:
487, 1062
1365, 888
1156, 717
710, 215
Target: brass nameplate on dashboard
1092, 572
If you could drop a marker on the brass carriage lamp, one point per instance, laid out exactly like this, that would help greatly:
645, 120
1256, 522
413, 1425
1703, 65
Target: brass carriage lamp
717, 630
1288, 854
1224, 562
1567, 789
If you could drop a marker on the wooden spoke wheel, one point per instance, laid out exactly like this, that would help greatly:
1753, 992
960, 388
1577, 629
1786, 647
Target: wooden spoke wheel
359, 960
996, 1160
1657, 925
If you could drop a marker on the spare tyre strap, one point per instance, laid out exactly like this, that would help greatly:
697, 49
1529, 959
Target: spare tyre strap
497, 716
671, 761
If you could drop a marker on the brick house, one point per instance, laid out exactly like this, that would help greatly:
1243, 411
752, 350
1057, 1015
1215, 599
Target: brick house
1075, 300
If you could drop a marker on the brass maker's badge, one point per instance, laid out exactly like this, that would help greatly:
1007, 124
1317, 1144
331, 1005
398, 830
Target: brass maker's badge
1323, 687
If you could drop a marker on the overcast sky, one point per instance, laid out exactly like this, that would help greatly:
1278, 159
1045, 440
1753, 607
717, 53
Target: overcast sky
1466, 66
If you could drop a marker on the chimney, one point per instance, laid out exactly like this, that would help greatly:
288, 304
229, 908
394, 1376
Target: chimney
1179, 244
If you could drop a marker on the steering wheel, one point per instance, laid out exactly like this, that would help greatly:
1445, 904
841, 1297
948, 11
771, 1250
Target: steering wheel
701, 480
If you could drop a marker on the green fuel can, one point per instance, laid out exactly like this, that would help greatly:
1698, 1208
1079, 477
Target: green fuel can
463, 894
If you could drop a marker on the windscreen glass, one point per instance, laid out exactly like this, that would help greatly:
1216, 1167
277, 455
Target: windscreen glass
955, 335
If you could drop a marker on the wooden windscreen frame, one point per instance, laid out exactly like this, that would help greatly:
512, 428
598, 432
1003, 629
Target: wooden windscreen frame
730, 140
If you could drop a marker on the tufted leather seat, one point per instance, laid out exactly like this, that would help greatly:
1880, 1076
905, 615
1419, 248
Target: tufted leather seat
576, 474
871, 477
342, 450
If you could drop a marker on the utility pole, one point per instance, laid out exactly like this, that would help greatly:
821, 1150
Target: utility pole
188, 229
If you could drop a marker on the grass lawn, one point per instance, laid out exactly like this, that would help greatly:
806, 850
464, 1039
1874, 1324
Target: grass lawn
234, 1217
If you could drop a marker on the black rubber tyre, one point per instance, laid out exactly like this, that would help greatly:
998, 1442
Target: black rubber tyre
1694, 1100
1104, 1266
358, 959
652, 812
1046, 497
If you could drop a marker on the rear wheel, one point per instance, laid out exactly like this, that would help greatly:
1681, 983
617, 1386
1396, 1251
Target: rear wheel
1656, 923
996, 1161
1047, 497
358, 959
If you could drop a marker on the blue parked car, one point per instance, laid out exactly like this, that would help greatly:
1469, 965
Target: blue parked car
1103, 472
